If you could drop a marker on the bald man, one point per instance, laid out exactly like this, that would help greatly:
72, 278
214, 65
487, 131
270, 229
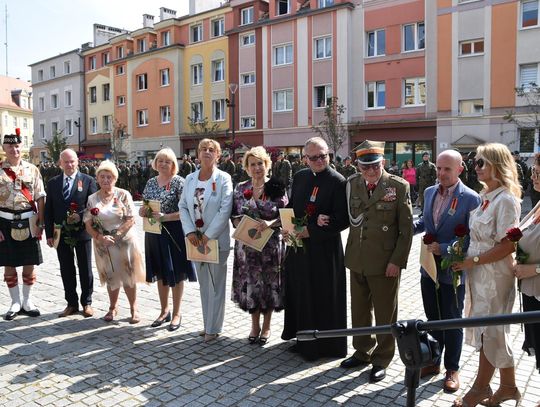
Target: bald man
446, 205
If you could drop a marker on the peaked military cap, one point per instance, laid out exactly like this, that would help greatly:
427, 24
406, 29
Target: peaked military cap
370, 152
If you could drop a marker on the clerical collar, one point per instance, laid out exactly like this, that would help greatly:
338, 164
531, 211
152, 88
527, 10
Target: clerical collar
319, 173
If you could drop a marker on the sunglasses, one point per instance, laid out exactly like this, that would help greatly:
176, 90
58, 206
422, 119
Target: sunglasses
314, 158
480, 163
365, 167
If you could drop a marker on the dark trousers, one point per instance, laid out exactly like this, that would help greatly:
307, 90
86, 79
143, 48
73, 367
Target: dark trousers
83, 249
450, 340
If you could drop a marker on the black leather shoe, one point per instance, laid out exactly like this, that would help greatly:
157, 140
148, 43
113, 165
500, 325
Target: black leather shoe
351, 362
10, 316
173, 327
377, 374
159, 322
31, 313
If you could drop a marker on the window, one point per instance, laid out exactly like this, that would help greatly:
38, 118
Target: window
68, 129
165, 113
471, 107
282, 7
106, 92
218, 27
415, 92
67, 67
141, 45
413, 37
52, 72
25, 123
324, 3
376, 95
197, 111
471, 47
93, 125
42, 131
248, 39
529, 13
15, 122
105, 58
196, 33
218, 110
67, 98
40, 74
526, 140
196, 74
107, 124
322, 96
246, 15
376, 43
120, 100
93, 94
92, 62
218, 71
41, 104
283, 100
323, 48
120, 69
54, 128
142, 82
142, 117
283, 55
528, 75
54, 101
119, 52
165, 38
247, 122
247, 78
164, 75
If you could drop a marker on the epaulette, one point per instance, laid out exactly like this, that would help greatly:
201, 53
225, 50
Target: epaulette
397, 178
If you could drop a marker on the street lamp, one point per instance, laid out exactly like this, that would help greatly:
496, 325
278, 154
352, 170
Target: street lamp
78, 125
233, 87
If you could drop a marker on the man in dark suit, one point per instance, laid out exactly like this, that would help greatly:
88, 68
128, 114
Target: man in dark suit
446, 205
68, 193
380, 216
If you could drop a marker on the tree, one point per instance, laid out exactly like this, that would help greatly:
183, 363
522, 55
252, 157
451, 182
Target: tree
331, 128
528, 115
56, 145
119, 138
201, 128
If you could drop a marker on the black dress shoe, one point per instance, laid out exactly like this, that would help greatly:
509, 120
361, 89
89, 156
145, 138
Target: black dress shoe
352, 362
10, 316
159, 322
31, 313
173, 327
377, 374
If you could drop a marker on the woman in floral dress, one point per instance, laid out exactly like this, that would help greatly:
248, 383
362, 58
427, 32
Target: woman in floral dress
256, 284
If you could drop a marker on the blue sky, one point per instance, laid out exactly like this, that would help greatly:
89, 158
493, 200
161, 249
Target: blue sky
40, 29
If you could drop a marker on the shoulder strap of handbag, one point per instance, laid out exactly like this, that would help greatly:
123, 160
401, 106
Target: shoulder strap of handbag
24, 189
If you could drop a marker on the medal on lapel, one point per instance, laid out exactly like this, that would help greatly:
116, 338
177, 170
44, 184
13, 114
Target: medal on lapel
453, 206
79, 186
313, 196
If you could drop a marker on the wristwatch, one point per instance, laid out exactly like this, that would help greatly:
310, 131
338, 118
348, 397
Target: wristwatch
538, 269
476, 259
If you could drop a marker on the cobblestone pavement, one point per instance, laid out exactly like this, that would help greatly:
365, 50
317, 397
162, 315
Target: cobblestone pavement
87, 362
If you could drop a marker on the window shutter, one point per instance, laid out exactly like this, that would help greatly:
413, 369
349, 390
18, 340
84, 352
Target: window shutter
528, 74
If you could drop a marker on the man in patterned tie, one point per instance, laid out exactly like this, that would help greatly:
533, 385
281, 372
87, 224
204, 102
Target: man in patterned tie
380, 236
68, 195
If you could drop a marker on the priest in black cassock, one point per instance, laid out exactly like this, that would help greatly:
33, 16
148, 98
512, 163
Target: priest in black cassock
315, 288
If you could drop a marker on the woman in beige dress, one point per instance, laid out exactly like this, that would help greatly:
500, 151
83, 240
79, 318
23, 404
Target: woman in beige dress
109, 220
490, 278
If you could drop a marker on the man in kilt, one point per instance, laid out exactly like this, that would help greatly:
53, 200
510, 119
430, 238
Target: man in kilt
22, 197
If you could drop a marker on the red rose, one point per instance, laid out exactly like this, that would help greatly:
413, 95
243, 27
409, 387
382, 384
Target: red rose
94, 211
514, 234
199, 223
310, 209
248, 193
73, 206
461, 230
428, 238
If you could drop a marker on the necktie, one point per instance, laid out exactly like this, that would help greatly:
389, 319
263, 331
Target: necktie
65, 190
371, 188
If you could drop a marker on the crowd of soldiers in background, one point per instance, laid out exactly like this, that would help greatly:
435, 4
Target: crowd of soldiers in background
133, 176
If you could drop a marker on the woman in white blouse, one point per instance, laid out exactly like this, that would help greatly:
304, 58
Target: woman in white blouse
205, 208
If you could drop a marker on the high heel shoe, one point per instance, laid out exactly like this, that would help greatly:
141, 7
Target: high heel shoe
479, 395
173, 327
264, 339
254, 339
504, 393
159, 322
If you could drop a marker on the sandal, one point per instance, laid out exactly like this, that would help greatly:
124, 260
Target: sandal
109, 316
135, 319
253, 339
511, 393
264, 339
480, 395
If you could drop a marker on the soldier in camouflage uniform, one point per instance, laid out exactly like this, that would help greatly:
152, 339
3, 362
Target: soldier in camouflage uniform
227, 165
348, 169
240, 174
282, 170
296, 165
523, 171
426, 176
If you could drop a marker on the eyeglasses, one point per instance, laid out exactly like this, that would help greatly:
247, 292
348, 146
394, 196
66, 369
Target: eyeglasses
480, 163
365, 167
314, 158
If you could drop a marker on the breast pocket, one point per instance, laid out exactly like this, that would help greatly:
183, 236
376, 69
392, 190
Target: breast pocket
386, 211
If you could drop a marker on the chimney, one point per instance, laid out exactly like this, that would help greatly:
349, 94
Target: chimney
166, 13
148, 20
86, 45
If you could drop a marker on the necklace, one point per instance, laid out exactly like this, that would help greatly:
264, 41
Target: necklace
106, 199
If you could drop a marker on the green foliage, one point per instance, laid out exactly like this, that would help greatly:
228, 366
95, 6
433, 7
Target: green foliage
528, 115
119, 137
202, 128
331, 128
56, 145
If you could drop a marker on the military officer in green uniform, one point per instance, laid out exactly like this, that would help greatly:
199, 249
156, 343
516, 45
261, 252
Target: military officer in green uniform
185, 168
227, 165
380, 236
426, 176
283, 170
348, 169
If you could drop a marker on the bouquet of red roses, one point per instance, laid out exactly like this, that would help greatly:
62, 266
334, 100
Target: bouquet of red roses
71, 224
456, 254
515, 235
98, 225
299, 225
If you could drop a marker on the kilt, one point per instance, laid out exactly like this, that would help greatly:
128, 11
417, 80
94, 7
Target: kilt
14, 253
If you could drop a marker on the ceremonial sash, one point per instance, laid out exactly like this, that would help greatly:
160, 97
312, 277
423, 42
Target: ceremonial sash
24, 189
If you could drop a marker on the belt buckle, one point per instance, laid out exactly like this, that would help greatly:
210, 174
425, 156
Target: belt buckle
16, 216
